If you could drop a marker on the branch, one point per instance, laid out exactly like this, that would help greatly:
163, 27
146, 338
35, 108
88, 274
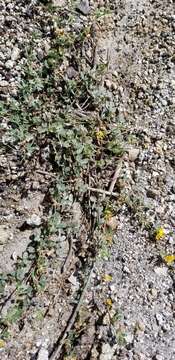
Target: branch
57, 352
104, 192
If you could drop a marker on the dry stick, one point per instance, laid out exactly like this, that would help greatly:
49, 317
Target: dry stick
55, 355
115, 177
104, 192
42, 172
111, 187
66, 263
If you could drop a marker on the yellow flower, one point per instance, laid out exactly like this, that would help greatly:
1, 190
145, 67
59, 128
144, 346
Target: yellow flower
107, 214
100, 135
108, 302
107, 278
2, 344
159, 234
169, 259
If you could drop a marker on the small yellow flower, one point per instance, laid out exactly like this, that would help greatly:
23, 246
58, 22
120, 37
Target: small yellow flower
100, 135
2, 344
107, 214
107, 278
159, 234
169, 259
109, 302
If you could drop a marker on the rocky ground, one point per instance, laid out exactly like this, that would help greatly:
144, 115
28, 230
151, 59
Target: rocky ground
87, 90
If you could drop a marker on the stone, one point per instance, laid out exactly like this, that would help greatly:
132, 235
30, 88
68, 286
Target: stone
151, 193
159, 319
15, 53
4, 83
133, 154
35, 185
71, 72
159, 357
9, 64
83, 7
129, 338
43, 354
112, 288
4, 235
154, 292
34, 220
108, 83
107, 352
58, 2
73, 280
161, 271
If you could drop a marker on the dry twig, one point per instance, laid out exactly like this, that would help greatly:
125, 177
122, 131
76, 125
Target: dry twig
104, 192
57, 352
66, 263
115, 176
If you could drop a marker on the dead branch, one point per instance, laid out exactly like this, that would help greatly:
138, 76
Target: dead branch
57, 352
104, 192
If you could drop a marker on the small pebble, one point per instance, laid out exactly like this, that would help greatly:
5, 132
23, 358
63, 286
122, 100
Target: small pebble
83, 7
15, 54
9, 64
133, 154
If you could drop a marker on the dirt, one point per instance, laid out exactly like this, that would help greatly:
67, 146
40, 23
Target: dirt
128, 310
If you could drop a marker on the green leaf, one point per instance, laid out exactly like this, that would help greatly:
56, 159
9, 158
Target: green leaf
13, 314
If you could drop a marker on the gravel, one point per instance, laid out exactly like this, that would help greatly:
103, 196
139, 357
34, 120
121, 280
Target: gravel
137, 40
142, 288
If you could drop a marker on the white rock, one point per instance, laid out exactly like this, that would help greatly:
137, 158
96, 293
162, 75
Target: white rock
4, 83
83, 7
59, 2
161, 271
108, 83
129, 338
159, 357
15, 54
4, 234
107, 352
159, 319
9, 64
112, 288
34, 220
43, 354
73, 280
133, 154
